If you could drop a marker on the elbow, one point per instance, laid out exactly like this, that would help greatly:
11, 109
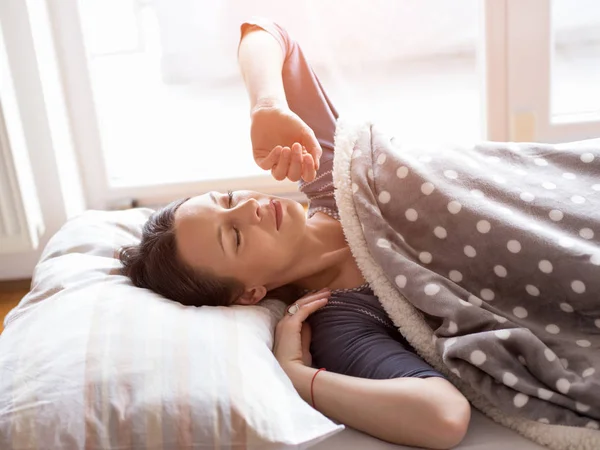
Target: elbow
454, 423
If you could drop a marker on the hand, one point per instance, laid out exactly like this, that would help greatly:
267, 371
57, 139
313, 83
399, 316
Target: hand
284, 144
292, 335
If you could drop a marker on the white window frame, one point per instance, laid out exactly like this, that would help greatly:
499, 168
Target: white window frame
68, 33
529, 41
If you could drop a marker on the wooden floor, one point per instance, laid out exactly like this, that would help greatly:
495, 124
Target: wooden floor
11, 292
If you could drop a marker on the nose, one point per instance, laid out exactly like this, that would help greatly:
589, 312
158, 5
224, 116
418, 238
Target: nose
248, 210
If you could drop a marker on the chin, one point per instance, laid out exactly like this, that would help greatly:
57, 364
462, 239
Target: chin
294, 207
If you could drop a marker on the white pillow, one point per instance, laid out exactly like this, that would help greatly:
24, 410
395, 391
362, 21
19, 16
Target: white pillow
87, 360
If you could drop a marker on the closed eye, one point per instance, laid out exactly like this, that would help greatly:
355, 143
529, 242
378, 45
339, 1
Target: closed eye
238, 237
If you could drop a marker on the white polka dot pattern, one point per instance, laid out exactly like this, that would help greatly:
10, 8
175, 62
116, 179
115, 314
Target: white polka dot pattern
500, 319
425, 257
563, 385
514, 246
588, 372
520, 400
520, 312
455, 276
578, 286
549, 354
402, 172
527, 197
587, 157
532, 290
487, 294
483, 226
545, 394
545, 266
478, 357
470, 251
497, 246
548, 185
432, 289
502, 334
440, 232
427, 188
500, 271
478, 302
384, 197
582, 407
556, 215
454, 207
400, 281
411, 214
451, 174
383, 243
566, 307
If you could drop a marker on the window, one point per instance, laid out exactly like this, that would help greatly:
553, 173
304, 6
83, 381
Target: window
171, 103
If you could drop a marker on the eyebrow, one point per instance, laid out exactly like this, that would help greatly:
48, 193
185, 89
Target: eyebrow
220, 229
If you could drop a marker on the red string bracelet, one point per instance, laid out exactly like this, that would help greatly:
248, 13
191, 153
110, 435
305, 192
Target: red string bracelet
312, 397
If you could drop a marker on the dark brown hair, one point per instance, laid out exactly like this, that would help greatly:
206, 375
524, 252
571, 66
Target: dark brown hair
154, 264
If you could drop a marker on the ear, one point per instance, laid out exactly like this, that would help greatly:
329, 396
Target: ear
252, 296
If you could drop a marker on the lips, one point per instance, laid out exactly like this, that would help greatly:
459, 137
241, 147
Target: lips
278, 213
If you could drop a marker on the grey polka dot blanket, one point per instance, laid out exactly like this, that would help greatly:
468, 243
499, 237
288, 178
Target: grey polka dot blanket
488, 260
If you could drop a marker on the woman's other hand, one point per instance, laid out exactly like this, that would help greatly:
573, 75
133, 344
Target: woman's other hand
292, 335
284, 144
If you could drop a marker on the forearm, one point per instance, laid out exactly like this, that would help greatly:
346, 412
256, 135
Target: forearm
261, 60
411, 411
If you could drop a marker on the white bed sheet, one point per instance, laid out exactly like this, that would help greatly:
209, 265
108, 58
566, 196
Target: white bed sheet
483, 434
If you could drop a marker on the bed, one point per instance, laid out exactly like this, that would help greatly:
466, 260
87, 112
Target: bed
483, 434
89, 361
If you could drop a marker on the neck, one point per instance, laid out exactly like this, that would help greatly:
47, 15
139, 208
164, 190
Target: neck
324, 252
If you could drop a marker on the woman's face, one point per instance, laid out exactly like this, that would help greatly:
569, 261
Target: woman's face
249, 236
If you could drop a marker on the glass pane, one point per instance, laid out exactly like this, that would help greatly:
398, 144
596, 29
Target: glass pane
576, 57
172, 105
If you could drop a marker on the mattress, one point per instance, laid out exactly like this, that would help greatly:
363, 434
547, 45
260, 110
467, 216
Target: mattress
483, 434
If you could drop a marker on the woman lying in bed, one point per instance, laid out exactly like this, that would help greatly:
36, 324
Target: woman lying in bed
236, 248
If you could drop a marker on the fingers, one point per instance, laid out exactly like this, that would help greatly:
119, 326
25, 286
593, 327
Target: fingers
280, 169
309, 172
309, 308
295, 169
271, 159
314, 296
307, 305
313, 147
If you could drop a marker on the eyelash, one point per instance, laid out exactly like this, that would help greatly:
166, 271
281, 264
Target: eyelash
237, 232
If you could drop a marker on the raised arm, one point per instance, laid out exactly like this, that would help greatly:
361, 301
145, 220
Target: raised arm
281, 141
261, 59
